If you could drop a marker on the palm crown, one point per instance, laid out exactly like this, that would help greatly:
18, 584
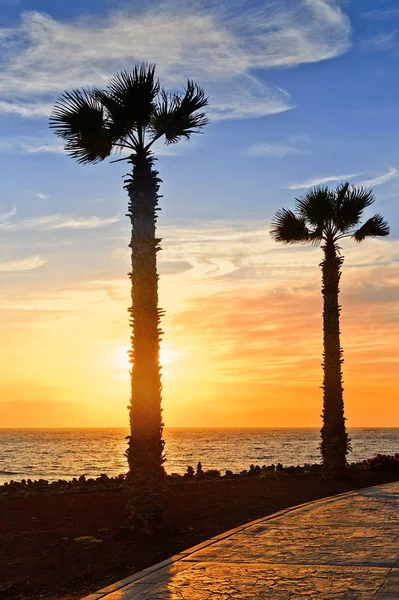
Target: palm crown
323, 214
132, 112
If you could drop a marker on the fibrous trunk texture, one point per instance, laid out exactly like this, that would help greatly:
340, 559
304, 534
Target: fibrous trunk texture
145, 447
335, 441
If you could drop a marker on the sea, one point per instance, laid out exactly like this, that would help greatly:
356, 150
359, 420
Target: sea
54, 454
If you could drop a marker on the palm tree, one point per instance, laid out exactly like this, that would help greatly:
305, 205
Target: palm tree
130, 115
325, 217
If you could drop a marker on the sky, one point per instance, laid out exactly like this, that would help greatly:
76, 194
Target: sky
301, 92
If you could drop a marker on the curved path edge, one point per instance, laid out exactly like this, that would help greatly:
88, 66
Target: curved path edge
340, 547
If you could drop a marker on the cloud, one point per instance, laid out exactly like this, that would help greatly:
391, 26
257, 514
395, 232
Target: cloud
23, 264
237, 255
246, 321
278, 150
213, 43
4, 217
31, 145
381, 14
25, 109
57, 221
380, 43
253, 308
280, 330
83, 223
379, 291
293, 145
321, 180
390, 174
41, 196
245, 98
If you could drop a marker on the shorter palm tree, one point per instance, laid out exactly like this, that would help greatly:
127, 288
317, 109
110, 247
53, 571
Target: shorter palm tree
326, 217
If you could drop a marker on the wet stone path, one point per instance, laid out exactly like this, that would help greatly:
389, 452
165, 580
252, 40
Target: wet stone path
342, 548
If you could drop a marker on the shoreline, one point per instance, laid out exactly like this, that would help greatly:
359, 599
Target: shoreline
380, 462
63, 454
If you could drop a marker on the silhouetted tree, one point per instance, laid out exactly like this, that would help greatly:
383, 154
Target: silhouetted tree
130, 115
325, 217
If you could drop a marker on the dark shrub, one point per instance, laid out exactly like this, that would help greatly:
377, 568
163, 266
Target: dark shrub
383, 462
212, 474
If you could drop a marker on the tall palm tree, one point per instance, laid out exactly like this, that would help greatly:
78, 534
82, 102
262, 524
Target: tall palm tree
130, 115
326, 217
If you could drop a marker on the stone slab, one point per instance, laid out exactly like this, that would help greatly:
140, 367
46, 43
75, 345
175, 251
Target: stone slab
366, 507
219, 581
340, 548
307, 544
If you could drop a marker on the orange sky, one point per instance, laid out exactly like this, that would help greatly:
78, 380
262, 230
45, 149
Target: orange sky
242, 344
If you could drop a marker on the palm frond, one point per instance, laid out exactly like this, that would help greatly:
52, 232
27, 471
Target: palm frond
78, 118
287, 228
340, 192
118, 123
130, 98
316, 206
316, 234
376, 226
351, 201
176, 116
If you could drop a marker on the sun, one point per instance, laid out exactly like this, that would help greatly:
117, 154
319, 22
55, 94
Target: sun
121, 357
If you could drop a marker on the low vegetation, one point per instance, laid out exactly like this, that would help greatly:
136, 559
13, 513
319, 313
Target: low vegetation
380, 462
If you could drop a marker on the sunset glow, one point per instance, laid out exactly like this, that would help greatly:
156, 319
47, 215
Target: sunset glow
122, 360
242, 342
237, 351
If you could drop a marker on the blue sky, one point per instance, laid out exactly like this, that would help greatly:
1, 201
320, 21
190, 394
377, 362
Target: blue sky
301, 92
330, 68
313, 86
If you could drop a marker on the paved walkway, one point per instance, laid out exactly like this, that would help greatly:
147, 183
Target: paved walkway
341, 548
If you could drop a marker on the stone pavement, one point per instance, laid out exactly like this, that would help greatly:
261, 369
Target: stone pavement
342, 548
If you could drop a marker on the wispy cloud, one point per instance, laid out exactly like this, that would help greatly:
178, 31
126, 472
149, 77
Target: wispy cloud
277, 150
5, 216
50, 144
83, 223
41, 196
321, 180
23, 264
212, 44
380, 43
292, 145
372, 182
238, 255
380, 179
266, 296
246, 98
25, 109
57, 221
381, 14
237, 289
30, 145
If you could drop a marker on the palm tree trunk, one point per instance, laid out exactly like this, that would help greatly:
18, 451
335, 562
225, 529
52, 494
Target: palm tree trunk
145, 447
335, 442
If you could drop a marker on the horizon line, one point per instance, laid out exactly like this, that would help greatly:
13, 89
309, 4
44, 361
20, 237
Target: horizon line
195, 427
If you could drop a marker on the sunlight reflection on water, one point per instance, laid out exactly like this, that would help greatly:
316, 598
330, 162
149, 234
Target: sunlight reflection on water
65, 453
